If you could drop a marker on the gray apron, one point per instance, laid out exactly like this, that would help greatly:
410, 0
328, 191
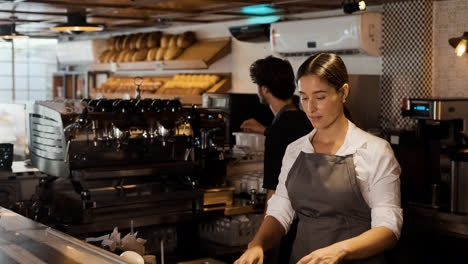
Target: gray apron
325, 195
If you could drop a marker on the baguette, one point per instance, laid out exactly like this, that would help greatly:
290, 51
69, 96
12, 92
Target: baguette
172, 53
113, 56
132, 41
186, 39
139, 55
121, 56
126, 42
165, 41
151, 55
154, 39
160, 54
173, 41
117, 42
141, 41
129, 55
104, 56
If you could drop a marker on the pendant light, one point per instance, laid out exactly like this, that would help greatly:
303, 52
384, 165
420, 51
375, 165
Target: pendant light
460, 44
76, 22
9, 32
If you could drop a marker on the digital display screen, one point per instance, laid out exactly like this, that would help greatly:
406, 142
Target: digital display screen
421, 109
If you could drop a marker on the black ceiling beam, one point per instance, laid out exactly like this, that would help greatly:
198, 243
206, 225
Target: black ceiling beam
110, 6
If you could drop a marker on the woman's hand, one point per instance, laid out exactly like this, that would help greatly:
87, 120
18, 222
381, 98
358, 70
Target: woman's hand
253, 255
329, 255
252, 125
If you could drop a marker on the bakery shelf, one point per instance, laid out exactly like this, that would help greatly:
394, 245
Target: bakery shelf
221, 86
200, 55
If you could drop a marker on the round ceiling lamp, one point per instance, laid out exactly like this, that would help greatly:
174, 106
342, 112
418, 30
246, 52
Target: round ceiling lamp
76, 22
9, 32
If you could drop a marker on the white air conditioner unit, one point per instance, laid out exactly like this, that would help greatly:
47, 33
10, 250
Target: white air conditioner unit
80, 51
344, 35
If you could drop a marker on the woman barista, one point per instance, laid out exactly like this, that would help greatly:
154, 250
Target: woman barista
339, 181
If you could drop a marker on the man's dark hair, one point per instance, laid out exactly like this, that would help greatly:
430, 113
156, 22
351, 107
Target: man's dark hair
276, 75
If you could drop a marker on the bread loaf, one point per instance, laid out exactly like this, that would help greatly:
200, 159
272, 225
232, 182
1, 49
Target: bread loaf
173, 41
132, 41
188, 84
165, 41
121, 42
126, 42
139, 55
113, 56
141, 41
154, 39
150, 85
151, 55
104, 55
160, 54
108, 57
117, 41
186, 39
172, 53
129, 55
121, 56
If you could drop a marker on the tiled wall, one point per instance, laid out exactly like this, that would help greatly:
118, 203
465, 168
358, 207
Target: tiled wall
450, 73
406, 58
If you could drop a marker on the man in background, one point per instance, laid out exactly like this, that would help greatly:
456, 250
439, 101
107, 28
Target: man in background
275, 81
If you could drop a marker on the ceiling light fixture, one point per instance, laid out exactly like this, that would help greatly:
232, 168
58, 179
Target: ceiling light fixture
76, 22
350, 6
259, 10
9, 32
460, 44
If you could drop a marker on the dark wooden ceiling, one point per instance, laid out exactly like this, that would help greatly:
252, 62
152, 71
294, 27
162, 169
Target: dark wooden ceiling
36, 17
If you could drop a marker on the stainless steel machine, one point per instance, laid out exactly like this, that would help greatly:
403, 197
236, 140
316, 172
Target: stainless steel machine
239, 107
109, 161
442, 135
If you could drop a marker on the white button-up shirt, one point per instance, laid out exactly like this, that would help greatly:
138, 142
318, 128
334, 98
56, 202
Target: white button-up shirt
377, 172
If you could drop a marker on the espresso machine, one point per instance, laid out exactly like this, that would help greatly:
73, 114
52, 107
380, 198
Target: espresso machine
438, 164
108, 161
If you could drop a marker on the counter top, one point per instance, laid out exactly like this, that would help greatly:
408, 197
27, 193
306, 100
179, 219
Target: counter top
436, 220
25, 241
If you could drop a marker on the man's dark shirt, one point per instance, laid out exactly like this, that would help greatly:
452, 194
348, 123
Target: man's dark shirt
288, 125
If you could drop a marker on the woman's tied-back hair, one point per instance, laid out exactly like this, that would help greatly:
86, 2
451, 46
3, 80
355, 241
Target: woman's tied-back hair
328, 67
275, 74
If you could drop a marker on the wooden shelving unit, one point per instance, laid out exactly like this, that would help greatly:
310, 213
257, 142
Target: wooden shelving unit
200, 55
222, 86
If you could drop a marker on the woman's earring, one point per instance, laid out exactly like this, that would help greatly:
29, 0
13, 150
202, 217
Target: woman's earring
344, 100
